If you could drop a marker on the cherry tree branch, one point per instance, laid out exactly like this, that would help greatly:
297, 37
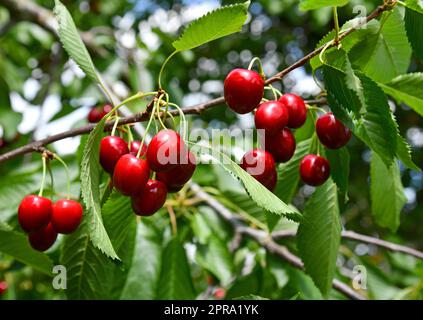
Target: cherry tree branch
44, 17
139, 117
266, 240
351, 235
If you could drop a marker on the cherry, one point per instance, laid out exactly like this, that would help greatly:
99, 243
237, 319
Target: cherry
34, 213
111, 149
260, 165
281, 146
67, 215
43, 239
97, 113
314, 170
297, 110
151, 199
3, 287
271, 116
331, 132
165, 150
243, 90
219, 293
135, 146
178, 176
272, 181
131, 175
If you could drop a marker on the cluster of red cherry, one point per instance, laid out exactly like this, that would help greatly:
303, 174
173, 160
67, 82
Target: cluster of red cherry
3, 287
43, 220
244, 90
166, 155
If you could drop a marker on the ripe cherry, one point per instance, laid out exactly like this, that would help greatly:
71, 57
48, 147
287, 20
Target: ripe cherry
178, 176
3, 287
260, 165
66, 217
281, 146
131, 175
331, 132
165, 150
151, 199
97, 113
243, 90
111, 149
314, 170
135, 146
271, 116
43, 239
297, 110
34, 213
219, 293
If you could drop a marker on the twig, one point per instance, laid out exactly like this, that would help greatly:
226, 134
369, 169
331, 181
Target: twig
362, 238
266, 241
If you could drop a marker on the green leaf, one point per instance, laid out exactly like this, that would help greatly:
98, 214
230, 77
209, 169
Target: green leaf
340, 168
175, 278
319, 236
90, 188
214, 25
374, 123
407, 89
91, 275
260, 194
250, 297
72, 41
387, 193
384, 54
317, 4
15, 244
289, 174
143, 278
414, 25
216, 258
404, 154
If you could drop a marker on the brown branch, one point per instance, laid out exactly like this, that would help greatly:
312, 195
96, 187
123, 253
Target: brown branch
265, 240
28, 7
361, 238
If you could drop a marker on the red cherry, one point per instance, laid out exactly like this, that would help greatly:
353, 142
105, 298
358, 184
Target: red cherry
151, 199
243, 90
271, 116
178, 176
219, 293
97, 113
281, 146
314, 170
111, 149
3, 287
331, 132
131, 175
272, 181
34, 213
43, 239
297, 109
260, 165
165, 150
135, 146
67, 215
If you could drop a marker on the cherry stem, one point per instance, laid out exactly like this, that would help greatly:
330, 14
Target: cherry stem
184, 121
158, 111
275, 91
163, 67
147, 128
115, 126
259, 64
316, 108
43, 179
327, 45
335, 18
67, 174
130, 135
50, 172
172, 217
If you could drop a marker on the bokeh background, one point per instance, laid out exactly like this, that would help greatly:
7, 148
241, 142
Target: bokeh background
42, 92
